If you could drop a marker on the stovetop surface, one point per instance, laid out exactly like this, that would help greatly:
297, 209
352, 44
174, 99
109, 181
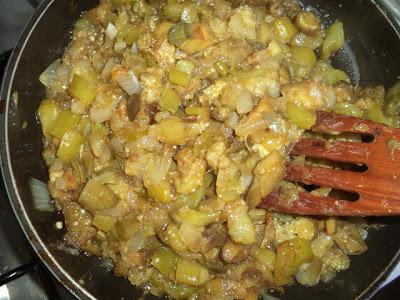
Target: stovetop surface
18, 263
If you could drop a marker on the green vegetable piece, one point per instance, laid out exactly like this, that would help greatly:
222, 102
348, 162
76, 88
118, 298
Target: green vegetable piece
178, 34
300, 116
173, 10
173, 289
303, 56
179, 77
222, 68
48, 112
185, 66
104, 223
348, 109
70, 146
96, 196
284, 29
266, 257
264, 33
164, 261
290, 255
334, 40
333, 76
65, 121
376, 114
190, 13
393, 100
82, 89
191, 273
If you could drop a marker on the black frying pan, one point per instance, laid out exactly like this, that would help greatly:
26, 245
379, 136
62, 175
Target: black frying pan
372, 57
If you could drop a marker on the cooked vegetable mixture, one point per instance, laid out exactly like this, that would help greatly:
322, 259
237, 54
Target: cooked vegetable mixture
165, 124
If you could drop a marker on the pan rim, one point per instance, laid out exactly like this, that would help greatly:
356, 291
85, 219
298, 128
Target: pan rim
30, 232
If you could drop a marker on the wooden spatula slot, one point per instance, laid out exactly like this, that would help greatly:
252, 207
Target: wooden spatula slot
333, 193
373, 191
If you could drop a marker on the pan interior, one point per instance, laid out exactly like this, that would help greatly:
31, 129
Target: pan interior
369, 57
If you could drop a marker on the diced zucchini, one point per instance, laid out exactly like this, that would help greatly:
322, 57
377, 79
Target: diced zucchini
82, 89
191, 200
171, 131
96, 197
300, 116
173, 289
333, 76
162, 30
70, 146
240, 227
284, 29
170, 100
199, 37
309, 273
291, 254
160, 192
266, 257
197, 218
222, 68
179, 77
303, 56
127, 227
334, 40
164, 261
65, 121
198, 111
185, 66
173, 10
393, 100
376, 114
132, 34
264, 33
347, 108
104, 223
190, 13
191, 273
173, 240
48, 112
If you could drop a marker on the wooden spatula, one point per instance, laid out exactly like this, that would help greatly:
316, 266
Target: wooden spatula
378, 187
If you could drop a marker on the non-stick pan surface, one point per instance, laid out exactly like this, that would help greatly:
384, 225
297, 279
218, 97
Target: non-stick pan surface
371, 57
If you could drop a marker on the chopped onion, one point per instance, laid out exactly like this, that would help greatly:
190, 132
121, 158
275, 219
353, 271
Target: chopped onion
100, 114
129, 82
249, 126
156, 169
49, 76
330, 96
138, 241
275, 123
232, 120
149, 143
119, 46
40, 195
77, 107
244, 102
185, 66
110, 64
82, 67
245, 181
118, 145
106, 263
111, 31
135, 48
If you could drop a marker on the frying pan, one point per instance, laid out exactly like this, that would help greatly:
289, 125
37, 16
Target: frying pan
371, 57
